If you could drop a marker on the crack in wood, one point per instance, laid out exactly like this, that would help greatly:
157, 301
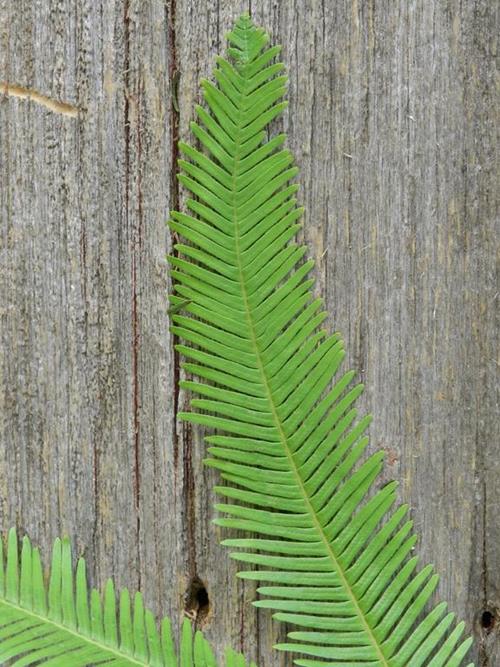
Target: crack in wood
186, 438
174, 76
63, 108
134, 314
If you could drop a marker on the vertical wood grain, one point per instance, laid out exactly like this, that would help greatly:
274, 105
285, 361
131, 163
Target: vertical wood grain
86, 366
391, 120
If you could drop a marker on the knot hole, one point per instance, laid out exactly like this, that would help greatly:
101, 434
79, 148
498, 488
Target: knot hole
197, 601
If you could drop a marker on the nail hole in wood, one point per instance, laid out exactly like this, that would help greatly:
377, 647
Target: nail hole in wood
197, 601
487, 620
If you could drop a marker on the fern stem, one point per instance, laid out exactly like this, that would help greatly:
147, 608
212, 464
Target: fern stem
336, 565
284, 440
66, 629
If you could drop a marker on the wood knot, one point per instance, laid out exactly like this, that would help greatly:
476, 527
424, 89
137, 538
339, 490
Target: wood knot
197, 603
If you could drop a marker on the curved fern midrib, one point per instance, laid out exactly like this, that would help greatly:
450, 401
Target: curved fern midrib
81, 637
284, 440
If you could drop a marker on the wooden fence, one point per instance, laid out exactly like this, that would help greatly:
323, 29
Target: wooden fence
392, 121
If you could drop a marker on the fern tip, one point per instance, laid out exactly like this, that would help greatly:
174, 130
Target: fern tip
392, 485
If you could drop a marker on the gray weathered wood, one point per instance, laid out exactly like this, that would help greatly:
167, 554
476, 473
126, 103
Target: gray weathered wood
391, 119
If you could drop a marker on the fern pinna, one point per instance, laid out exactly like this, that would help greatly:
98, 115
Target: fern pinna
63, 626
288, 442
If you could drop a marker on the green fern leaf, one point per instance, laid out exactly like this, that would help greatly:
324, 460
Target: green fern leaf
58, 626
290, 443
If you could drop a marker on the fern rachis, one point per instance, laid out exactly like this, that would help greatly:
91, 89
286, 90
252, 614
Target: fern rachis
291, 444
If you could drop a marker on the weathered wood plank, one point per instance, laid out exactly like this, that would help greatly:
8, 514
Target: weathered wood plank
86, 366
391, 120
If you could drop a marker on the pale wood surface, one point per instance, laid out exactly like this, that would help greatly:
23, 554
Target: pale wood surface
392, 121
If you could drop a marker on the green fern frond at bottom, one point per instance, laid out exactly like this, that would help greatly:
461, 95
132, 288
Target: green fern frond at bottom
64, 626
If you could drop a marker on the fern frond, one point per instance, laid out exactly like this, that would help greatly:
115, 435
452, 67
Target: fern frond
291, 443
63, 626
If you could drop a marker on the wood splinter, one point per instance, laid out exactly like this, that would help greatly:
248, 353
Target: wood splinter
13, 90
